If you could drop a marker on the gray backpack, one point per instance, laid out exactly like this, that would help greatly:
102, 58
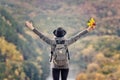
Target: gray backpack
60, 54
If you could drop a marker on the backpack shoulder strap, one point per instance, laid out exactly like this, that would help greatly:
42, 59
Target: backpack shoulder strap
52, 51
67, 52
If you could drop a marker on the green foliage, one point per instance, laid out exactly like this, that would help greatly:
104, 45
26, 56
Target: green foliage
9, 30
7, 27
103, 51
10, 67
106, 57
45, 66
14, 47
32, 70
8, 51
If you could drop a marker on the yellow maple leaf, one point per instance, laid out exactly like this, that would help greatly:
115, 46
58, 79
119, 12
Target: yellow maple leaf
91, 23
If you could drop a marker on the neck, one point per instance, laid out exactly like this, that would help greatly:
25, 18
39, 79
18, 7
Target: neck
59, 37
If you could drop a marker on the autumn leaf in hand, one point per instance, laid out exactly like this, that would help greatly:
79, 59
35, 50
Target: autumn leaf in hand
91, 23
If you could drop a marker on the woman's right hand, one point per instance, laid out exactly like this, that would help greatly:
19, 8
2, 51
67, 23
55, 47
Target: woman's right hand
29, 25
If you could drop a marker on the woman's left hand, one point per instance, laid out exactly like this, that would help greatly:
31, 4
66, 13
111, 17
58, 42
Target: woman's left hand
91, 24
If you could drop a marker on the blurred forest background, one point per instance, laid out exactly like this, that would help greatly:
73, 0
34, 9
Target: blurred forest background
23, 56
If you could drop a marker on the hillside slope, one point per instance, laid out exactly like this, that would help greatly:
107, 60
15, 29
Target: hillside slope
73, 15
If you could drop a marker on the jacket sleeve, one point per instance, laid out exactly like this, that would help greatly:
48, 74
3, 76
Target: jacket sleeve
76, 37
44, 38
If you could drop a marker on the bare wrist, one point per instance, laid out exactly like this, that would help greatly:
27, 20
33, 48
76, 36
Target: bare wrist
32, 28
88, 29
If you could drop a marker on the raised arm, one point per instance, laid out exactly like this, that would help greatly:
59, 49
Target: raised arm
44, 38
77, 37
91, 25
